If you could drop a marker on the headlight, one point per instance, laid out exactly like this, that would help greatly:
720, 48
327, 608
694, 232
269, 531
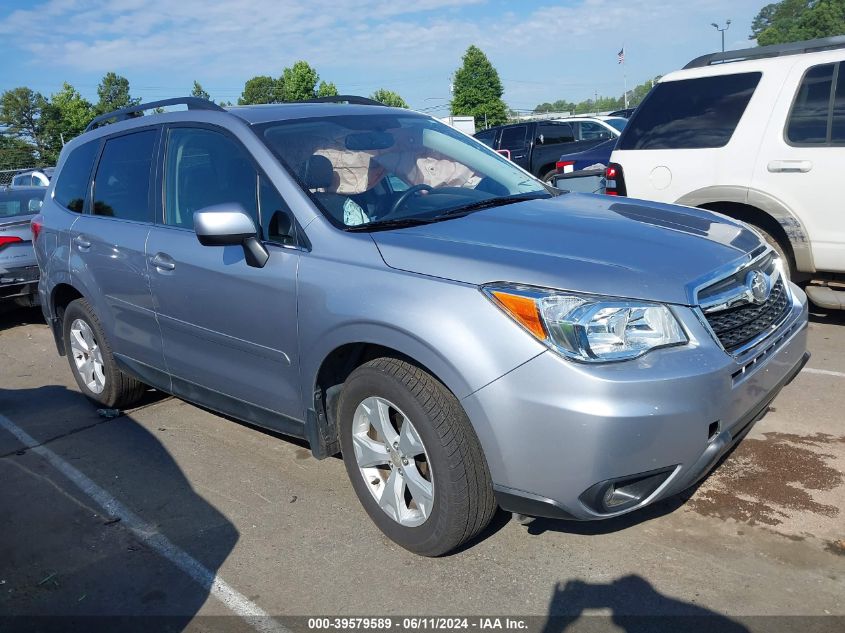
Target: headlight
589, 328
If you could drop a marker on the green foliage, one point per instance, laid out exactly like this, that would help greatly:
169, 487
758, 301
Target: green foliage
478, 90
199, 92
604, 104
389, 98
261, 89
299, 82
113, 93
16, 153
66, 116
327, 89
797, 20
22, 113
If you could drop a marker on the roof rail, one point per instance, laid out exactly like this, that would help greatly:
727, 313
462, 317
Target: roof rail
761, 52
344, 99
193, 103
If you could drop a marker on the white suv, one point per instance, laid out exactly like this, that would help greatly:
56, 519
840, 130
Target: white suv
758, 135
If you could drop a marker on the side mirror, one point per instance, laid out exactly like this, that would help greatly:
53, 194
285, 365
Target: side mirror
230, 225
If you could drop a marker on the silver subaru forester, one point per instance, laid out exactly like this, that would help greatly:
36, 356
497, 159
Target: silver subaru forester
384, 286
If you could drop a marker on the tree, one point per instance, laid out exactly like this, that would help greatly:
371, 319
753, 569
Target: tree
478, 90
327, 89
66, 116
261, 89
389, 98
199, 92
113, 92
604, 104
16, 153
299, 82
22, 112
796, 20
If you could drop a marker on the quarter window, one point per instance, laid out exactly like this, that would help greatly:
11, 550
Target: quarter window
72, 183
690, 113
122, 182
837, 133
809, 119
206, 168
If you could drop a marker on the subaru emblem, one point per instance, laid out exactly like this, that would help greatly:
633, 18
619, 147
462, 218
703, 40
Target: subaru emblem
758, 286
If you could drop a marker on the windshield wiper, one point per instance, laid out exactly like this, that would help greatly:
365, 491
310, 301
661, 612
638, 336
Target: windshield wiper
398, 223
490, 203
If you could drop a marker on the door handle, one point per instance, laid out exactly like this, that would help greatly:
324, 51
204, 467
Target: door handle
82, 242
789, 166
162, 262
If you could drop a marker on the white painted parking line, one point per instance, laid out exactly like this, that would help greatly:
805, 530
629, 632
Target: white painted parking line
823, 372
150, 535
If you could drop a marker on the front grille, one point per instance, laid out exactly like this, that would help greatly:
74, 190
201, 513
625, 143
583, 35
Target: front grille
735, 327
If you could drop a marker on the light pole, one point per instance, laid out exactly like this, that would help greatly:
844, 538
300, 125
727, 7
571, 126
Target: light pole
722, 31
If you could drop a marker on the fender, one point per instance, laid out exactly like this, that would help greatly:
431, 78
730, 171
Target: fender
775, 208
48, 307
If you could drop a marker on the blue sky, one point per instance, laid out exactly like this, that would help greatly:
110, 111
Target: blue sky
542, 50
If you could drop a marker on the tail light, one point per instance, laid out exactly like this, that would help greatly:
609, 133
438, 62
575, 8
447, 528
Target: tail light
565, 166
36, 224
615, 180
5, 240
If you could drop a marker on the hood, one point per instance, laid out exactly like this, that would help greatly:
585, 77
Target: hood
585, 243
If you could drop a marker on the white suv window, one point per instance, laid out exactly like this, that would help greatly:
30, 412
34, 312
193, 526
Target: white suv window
818, 112
690, 113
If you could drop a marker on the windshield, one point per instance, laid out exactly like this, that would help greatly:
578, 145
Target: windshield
15, 203
617, 122
365, 170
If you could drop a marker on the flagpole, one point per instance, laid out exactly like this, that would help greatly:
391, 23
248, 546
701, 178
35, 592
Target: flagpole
625, 77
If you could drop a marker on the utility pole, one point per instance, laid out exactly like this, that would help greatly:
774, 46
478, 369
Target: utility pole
722, 31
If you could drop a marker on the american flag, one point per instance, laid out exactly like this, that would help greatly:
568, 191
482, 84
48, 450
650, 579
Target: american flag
621, 56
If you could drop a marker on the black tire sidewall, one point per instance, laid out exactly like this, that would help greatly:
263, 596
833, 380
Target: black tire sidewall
368, 381
80, 309
788, 266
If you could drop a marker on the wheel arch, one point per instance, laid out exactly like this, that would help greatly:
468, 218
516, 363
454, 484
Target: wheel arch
61, 295
761, 209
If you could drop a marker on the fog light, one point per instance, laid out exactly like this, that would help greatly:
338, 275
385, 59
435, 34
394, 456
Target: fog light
622, 493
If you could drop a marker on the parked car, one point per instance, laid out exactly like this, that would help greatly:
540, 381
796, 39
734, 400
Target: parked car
32, 178
600, 125
536, 145
625, 113
757, 135
592, 157
18, 267
378, 283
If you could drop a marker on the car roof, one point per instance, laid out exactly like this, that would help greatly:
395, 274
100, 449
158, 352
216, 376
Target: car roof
266, 113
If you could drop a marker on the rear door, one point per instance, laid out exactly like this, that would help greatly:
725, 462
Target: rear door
229, 329
107, 246
515, 139
803, 157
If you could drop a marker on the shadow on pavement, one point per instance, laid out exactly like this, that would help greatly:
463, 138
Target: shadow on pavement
635, 607
12, 315
65, 558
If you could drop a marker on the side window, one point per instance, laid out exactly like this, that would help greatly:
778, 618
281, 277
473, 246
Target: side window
514, 138
488, 137
122, 181
276, 219
204, 168
72, 182
837, 132
690, 113
591, 131
808, 119
553, 133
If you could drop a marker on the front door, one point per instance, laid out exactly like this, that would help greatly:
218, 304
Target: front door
228, 329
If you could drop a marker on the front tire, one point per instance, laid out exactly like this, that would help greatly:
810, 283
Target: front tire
413, 457
91, 360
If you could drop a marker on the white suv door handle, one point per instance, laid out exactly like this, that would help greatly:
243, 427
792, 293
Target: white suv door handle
790, 166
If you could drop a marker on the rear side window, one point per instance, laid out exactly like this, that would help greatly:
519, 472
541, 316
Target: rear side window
122, 183
837, 132
690, 113
818, 111
555, 133
72, 183
514, 137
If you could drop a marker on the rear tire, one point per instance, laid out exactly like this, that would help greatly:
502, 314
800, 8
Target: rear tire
91, 361
384, 403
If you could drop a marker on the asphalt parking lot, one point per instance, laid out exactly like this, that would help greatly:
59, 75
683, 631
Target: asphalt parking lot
170, 510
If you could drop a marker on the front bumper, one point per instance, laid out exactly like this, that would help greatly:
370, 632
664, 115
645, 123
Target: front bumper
558, 434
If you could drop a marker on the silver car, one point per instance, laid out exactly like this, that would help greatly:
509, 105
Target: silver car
18, 267
384, 286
